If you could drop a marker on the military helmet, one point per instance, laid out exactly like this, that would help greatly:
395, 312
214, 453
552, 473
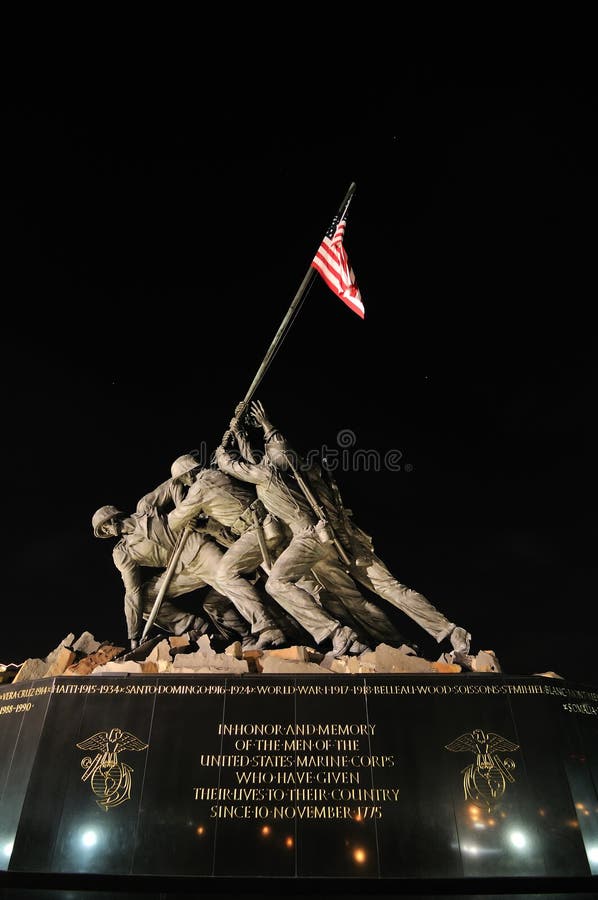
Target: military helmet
101, 515
183, 464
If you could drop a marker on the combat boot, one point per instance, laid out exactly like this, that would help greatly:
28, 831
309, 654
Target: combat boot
269, 639
460, 640
342, 638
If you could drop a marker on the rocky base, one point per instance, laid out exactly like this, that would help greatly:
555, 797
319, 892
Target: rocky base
177, 655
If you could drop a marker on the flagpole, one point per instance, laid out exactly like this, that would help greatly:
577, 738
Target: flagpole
311, 273
166, 579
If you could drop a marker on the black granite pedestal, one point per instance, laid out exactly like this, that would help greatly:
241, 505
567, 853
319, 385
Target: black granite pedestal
164, 786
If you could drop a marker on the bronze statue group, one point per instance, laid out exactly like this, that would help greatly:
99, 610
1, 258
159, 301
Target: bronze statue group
266, 535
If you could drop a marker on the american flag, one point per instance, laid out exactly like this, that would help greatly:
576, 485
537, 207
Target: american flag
332, 264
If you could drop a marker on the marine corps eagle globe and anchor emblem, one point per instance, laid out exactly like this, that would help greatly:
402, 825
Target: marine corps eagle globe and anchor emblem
110, 779
485, 780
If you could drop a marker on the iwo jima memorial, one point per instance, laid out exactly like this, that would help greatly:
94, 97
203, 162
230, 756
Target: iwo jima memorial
285, 737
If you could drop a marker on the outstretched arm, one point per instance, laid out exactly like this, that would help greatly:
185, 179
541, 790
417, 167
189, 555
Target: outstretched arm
167, 494
236, 457
236, 433
277, 446
231, 462
260, 418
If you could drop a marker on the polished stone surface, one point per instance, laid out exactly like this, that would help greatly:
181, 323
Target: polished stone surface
461, 778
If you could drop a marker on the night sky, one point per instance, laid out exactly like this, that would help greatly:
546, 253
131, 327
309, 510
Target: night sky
160, 227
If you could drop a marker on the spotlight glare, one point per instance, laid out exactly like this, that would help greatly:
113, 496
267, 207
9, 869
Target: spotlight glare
518, 839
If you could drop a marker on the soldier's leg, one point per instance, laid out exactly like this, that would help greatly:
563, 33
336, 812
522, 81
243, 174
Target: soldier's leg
242, 558
175, 620
341, 585
377, 577
226, 619
180, 583
294, 563
336, 609
171, 617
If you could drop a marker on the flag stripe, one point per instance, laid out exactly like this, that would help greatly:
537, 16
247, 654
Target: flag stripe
332, 263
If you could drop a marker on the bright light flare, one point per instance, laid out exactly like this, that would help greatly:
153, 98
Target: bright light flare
518, 839
472, 849
359, 855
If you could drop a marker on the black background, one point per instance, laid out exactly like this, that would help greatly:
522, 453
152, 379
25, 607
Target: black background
162, 215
